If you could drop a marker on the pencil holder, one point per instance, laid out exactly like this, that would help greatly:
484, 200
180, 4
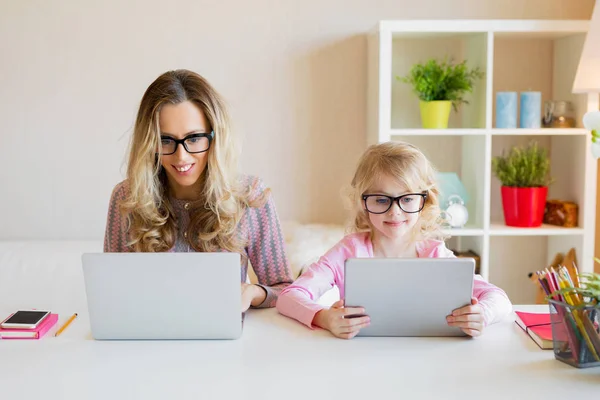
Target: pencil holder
575, 334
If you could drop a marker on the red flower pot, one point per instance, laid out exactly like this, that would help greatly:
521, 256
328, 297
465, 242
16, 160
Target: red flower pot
524, 207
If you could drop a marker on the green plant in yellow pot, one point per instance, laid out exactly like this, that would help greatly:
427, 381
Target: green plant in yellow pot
441, 85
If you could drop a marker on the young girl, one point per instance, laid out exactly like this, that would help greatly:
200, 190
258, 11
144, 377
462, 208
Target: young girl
396, 214
183, 192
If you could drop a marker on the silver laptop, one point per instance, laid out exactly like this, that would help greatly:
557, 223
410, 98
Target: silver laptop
163, 295
409, 297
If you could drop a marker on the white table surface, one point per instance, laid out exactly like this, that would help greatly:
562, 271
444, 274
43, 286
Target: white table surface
280, 358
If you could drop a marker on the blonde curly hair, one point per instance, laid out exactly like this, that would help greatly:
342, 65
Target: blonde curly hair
410, 168
223, 198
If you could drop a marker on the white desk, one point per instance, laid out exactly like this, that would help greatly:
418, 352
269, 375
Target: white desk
277, 358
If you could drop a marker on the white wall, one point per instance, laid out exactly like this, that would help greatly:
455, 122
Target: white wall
294, 72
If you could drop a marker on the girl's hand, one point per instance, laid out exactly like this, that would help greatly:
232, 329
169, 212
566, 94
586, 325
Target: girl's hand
468, 318
333, 320
252, 295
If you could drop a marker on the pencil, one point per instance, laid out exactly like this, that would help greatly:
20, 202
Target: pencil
65, 325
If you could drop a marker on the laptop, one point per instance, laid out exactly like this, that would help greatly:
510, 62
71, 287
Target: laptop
409, 297
163, 295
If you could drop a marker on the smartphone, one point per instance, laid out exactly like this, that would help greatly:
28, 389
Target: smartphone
29, 319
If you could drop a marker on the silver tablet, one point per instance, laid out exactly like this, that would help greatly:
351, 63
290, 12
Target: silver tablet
409, 297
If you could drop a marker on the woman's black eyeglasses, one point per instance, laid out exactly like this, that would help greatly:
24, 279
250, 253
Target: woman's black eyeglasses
194, 143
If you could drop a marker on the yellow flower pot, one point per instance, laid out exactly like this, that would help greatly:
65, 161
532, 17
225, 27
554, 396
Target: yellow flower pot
435, 114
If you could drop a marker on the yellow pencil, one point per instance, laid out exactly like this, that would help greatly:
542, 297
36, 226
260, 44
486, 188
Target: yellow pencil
66, 324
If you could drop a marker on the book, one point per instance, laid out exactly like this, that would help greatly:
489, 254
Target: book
538, 326
525, 319
542, 335
36, 333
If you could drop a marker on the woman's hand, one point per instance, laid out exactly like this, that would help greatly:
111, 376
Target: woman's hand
335, 322
468, 318
252, 295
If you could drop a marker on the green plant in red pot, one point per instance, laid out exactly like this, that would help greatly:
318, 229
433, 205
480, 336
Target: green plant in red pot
525, 176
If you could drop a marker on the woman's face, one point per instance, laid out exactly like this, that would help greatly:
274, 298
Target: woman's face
183, 121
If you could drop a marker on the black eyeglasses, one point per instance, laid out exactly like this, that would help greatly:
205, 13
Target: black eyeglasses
194, 143
380, 203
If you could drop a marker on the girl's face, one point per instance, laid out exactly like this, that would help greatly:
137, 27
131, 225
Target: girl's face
396, 222
184, 167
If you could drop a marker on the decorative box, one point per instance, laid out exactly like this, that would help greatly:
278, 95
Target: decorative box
561, 213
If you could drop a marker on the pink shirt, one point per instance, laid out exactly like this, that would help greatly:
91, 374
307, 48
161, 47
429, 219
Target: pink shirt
298, 300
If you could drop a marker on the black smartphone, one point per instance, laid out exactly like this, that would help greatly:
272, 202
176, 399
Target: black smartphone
22, 319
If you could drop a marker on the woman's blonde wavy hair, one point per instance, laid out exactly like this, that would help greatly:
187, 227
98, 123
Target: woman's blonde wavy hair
410, 168
214, 217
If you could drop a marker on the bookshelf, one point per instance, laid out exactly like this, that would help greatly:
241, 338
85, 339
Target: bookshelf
516, 55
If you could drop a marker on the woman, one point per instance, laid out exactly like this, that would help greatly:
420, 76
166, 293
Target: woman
183, 192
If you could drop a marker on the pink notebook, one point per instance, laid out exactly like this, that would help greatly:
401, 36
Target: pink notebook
36, 333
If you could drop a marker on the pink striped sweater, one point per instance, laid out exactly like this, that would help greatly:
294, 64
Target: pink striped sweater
299, 300
265, 248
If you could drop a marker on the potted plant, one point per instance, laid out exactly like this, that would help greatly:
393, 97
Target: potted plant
587, 287
525, 175
440, 85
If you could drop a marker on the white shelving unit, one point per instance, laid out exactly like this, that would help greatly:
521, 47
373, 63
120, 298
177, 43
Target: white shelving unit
516, 55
